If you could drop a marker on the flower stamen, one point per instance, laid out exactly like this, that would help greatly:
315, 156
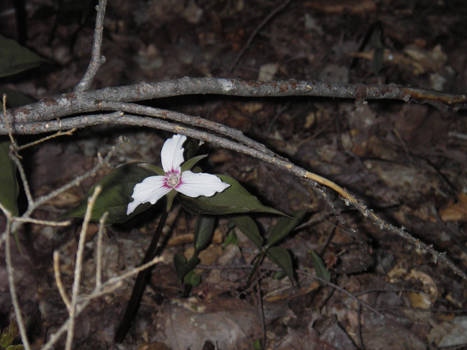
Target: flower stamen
172, 179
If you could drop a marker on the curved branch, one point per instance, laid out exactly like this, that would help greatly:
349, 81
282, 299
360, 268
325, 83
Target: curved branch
311, 178
96, 59
80, 102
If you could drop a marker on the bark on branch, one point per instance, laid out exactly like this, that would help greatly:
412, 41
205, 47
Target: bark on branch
81, 102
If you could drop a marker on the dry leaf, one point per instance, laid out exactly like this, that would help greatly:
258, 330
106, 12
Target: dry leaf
455, 211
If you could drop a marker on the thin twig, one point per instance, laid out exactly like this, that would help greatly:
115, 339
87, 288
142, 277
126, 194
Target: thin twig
22, 175
43, 139
299, 271
256, 31
42, 222
106, 288
63, 328
11, 284
58, 281
134, 271
342, 290
360, 323
99, 250
14, 156
78, 267
459, 135
5, 211
96, 59
7, 122
76, 181
260, 306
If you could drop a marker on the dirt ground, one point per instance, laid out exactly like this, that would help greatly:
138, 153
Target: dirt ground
406, 160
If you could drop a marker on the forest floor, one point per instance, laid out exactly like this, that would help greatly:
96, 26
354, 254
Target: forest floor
406, 160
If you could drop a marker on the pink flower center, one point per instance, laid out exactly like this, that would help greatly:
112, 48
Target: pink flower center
172, 179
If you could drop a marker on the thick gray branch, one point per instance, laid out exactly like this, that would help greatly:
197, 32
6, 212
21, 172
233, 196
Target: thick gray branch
81, 102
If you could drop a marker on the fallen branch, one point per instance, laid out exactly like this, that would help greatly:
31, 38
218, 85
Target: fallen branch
80, 102
269, 157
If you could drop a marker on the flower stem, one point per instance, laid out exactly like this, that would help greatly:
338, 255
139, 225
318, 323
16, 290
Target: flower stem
140, 283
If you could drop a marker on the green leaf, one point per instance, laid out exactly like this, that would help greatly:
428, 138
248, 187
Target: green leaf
15, 58
203, 232
156, 169
320, 268
180, 265
257, 345
191, 148
190, 163
192, 279
8, 183
8, 335
284, 226
230, 239
249, 228
117, 188
183, 267
15, 98
234, 200
282, 258
278, 275
15, 347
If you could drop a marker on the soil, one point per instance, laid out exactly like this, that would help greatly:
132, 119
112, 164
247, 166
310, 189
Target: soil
407, 161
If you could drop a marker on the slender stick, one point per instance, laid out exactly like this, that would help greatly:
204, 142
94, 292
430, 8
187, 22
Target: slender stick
256, 31
99, 250
58, 281
47, 138
107, 287
96, 59
11, 284
43, 222
78, 267
140, 283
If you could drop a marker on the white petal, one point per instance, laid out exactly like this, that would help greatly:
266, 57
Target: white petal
151, 189
200, 184
172, 153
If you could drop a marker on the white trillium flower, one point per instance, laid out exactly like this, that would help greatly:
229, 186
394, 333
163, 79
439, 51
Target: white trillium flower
191, 184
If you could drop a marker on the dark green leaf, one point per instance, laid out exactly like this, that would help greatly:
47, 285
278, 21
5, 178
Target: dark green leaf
320, 268
203, 231
249, 228
281, 257
191, 148
182, 266
156, 169
8, 334
284, 226
15, 347
257, 345
192, 279
230, 239
117, 188
8, 182
190, 163
234, 200
15, 98
278, 275
14, 58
